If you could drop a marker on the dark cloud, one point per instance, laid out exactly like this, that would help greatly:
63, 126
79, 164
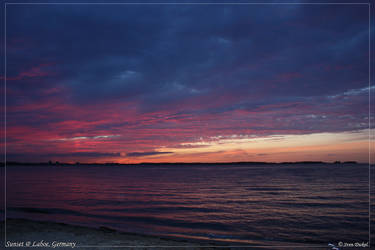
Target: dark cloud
178, 52
168, 75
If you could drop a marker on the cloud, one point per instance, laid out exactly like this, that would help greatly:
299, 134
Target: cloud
70, 156
87, 137
353, 92
140, 154
88, 154
169, 76
39, 71
184, 145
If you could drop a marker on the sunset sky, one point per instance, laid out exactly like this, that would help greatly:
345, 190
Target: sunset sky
188, 83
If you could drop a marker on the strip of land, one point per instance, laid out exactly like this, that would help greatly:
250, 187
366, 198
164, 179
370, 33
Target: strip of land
11, 163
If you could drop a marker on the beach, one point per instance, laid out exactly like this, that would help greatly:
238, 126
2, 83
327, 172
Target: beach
23, 233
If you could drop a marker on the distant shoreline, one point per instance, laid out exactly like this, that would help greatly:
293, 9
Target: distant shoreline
173, 163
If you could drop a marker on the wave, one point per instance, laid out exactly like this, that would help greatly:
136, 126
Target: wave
162, 209
143, 219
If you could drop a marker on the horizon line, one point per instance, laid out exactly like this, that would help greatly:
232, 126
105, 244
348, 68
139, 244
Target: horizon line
183, 163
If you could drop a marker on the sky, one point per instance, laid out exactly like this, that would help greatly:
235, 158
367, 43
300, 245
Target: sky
187, 83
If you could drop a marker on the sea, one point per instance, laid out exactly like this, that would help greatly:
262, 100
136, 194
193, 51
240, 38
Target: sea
233, 204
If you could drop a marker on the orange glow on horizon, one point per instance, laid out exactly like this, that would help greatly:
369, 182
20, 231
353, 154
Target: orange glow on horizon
326, 147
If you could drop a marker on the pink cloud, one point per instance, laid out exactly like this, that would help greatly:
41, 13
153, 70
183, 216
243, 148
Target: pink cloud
40, 70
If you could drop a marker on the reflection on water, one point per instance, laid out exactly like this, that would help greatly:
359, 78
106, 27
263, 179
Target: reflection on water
248, 204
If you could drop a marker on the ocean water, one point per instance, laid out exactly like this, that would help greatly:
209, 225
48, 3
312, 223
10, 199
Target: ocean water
231, 204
